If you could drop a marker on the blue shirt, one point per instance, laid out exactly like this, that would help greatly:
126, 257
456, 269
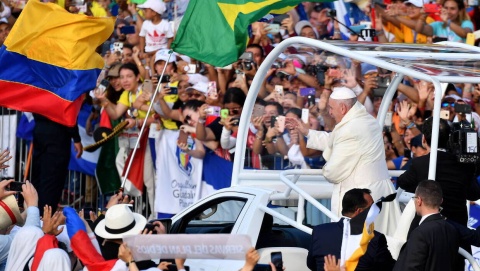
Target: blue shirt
446, 32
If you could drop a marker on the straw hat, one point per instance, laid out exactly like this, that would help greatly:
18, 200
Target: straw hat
103, 134
120, 221
9, 212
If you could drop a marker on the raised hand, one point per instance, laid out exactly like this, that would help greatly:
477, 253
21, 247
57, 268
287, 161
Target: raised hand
4, 158
51, 223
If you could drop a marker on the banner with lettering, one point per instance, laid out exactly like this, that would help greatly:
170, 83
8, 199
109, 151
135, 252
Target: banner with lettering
187, 246
178, 175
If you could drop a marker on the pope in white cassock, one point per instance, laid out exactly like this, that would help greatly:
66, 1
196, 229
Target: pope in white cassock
355, 155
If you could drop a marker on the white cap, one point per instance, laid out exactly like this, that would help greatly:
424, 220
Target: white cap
162, 54
156, 5
453, 96
300, 25
417, 3
342, 93
303, 59
200, 86
185, 58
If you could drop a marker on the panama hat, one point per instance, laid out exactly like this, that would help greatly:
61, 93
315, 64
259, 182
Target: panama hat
9, 212
120, 221
103, 134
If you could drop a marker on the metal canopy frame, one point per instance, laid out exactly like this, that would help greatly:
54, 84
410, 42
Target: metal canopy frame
376, 58
373, 57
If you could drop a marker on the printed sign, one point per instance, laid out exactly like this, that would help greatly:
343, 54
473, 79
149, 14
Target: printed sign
188, 246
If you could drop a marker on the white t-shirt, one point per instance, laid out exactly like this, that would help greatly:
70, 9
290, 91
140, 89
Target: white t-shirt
156, 36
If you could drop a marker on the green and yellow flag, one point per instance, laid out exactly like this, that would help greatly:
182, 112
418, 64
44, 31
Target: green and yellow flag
216, 31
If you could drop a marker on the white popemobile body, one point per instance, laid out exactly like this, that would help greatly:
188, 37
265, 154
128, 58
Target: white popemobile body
240, 209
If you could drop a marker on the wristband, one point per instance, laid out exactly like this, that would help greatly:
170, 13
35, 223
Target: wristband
379, 32
449, 22
201, 121
128, 263
411, 125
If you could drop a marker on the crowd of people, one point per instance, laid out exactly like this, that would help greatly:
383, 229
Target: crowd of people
307, 104
49, 243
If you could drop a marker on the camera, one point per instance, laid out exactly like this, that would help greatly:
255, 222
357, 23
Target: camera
331, 13
246, 61
464, 140
383, 82
319, 72
151, 227
278, 65
165, 78
245, 65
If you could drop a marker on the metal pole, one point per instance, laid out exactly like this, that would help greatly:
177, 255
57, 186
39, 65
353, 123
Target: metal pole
170, 53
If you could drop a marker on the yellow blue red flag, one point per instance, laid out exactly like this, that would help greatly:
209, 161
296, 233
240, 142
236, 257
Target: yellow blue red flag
48, 61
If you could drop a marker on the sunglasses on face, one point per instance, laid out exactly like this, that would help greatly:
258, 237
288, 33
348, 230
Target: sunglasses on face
447, 104
194, 95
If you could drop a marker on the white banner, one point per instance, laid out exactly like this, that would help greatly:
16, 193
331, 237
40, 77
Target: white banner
188, 246
8, 127
179, 175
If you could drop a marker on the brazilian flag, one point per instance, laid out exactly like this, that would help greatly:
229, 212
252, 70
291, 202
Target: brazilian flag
216, 31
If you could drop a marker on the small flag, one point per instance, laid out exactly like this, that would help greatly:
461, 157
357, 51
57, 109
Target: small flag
81, 244
47, 64
357, 233
220, 37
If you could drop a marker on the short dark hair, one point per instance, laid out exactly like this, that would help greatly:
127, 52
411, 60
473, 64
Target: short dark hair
193, 105
443, 132
277, 105
128, 45
296, 111
130, 66
254, 45
234, 95
354, 199
430, 192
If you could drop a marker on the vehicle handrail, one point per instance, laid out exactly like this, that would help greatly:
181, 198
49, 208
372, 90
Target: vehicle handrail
286, 219
358, 55
469, 258
459, 45
292, 186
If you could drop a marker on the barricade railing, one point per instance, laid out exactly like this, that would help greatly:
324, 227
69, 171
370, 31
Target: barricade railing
79, 190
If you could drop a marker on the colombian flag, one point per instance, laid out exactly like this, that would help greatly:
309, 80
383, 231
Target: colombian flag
81, 244
358, 232
48, 61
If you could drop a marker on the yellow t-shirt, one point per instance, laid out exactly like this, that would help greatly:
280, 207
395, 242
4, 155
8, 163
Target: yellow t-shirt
127, 98
405, 34
98, 10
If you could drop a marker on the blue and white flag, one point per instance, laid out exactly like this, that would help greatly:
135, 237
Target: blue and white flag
88, 162
26, 124
343, 17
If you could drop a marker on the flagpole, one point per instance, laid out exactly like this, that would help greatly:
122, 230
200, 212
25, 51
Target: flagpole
170, 53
